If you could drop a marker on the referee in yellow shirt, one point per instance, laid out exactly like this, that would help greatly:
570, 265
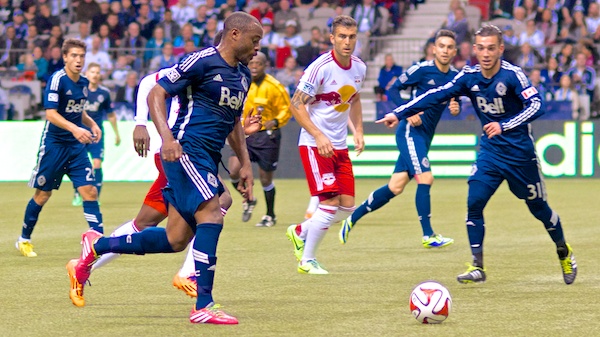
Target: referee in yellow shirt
269, 97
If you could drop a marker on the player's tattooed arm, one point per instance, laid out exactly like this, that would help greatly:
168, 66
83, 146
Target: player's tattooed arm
301, 98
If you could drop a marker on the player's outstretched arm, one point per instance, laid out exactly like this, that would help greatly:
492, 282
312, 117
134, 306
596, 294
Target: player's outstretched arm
112, 118
237, 141
356, 121
298, 108
171, 149
81, 134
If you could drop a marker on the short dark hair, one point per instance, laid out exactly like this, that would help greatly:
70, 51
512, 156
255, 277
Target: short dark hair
490, 30
241, 21
73, 43
343, 20
445, 33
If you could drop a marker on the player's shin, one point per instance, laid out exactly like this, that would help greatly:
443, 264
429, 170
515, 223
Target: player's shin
99, 176
124, 229
91, 212
423, 204
542, 211
32, 212
148, 241
204, 252
319, 224
376, 200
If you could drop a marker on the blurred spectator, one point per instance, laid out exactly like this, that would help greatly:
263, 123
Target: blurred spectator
155, 44
565, 57
115, 30
182, 12
45, 20
18, 24
6, 12
101, 16
284, 14
367, 17
170, 27
291, 38
164, 60
459, 26
123, 17
465, 56
583, 78
27, 66
105, 41
592, 21
127, 13
263, 10
428, 51
450, 18
146, 24
41, 63
55, 61
501, 9
518, 21
286, 75
566, 93
188, 47
533, 36
212, 9
270, 41
9, 47
231, 5
4, 104
531, 9
547, 27
128, 92
122, 68
187, 34
132, 46
207, 39
528, 58
96, 55
29, 14
587, 47
157, 10
33, 39
86, 10
310, 4
550, 74
574, 31
312, 49
199, 22
536, 81
339, 10
84, 33
387, 76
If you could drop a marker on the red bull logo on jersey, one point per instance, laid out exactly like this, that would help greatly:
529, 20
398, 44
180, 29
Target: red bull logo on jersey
340, 100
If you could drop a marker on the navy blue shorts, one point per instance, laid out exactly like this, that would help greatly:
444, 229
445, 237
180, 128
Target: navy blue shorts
413, 147
54, 161
192, 181
525, 182
96, 150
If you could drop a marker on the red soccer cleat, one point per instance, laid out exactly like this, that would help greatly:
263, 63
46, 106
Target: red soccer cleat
211, 315
88, 255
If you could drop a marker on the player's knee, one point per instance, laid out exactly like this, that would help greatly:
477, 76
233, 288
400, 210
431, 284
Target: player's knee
398, 182
538, 207
225, 200
476, 203
41, 197
178, 245
88, 192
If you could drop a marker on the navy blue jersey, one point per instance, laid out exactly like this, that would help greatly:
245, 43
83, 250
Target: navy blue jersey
507, 98
98, 104
424, 76
211, 97
68, 98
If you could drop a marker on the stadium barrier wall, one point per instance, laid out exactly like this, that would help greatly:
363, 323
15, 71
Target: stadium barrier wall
565, 148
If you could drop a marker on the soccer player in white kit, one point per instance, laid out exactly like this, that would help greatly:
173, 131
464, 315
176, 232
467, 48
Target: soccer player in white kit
326, 97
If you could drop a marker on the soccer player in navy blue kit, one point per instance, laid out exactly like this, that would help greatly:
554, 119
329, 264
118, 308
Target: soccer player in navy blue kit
62, 146
505, 103
212, 85
413, 138
98, 106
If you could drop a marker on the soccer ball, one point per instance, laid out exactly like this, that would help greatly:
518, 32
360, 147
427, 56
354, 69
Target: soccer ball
430, 303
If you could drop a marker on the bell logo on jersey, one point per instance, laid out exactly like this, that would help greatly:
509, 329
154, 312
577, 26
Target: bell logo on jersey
234, 102
72, 106
490, 108
93, 107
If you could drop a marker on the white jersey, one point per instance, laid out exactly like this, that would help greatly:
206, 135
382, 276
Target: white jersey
333, 87
142, 110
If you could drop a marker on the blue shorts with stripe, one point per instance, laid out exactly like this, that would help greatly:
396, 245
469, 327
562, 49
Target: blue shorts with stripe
413, 146
524, 181
192, 181
56, 160
96, 150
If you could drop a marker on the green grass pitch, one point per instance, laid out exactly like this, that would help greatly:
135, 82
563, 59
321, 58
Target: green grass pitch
366, 293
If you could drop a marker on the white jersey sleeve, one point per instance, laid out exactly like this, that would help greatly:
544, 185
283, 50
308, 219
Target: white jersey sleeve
142, 110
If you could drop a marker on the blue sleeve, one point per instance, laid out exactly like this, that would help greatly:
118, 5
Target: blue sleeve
182, 74
52, 92
108, 106
433, 96
408, 79
532, 103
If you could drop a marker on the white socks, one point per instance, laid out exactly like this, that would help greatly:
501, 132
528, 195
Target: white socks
343, 213
316, 227
189, 267
125, 229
